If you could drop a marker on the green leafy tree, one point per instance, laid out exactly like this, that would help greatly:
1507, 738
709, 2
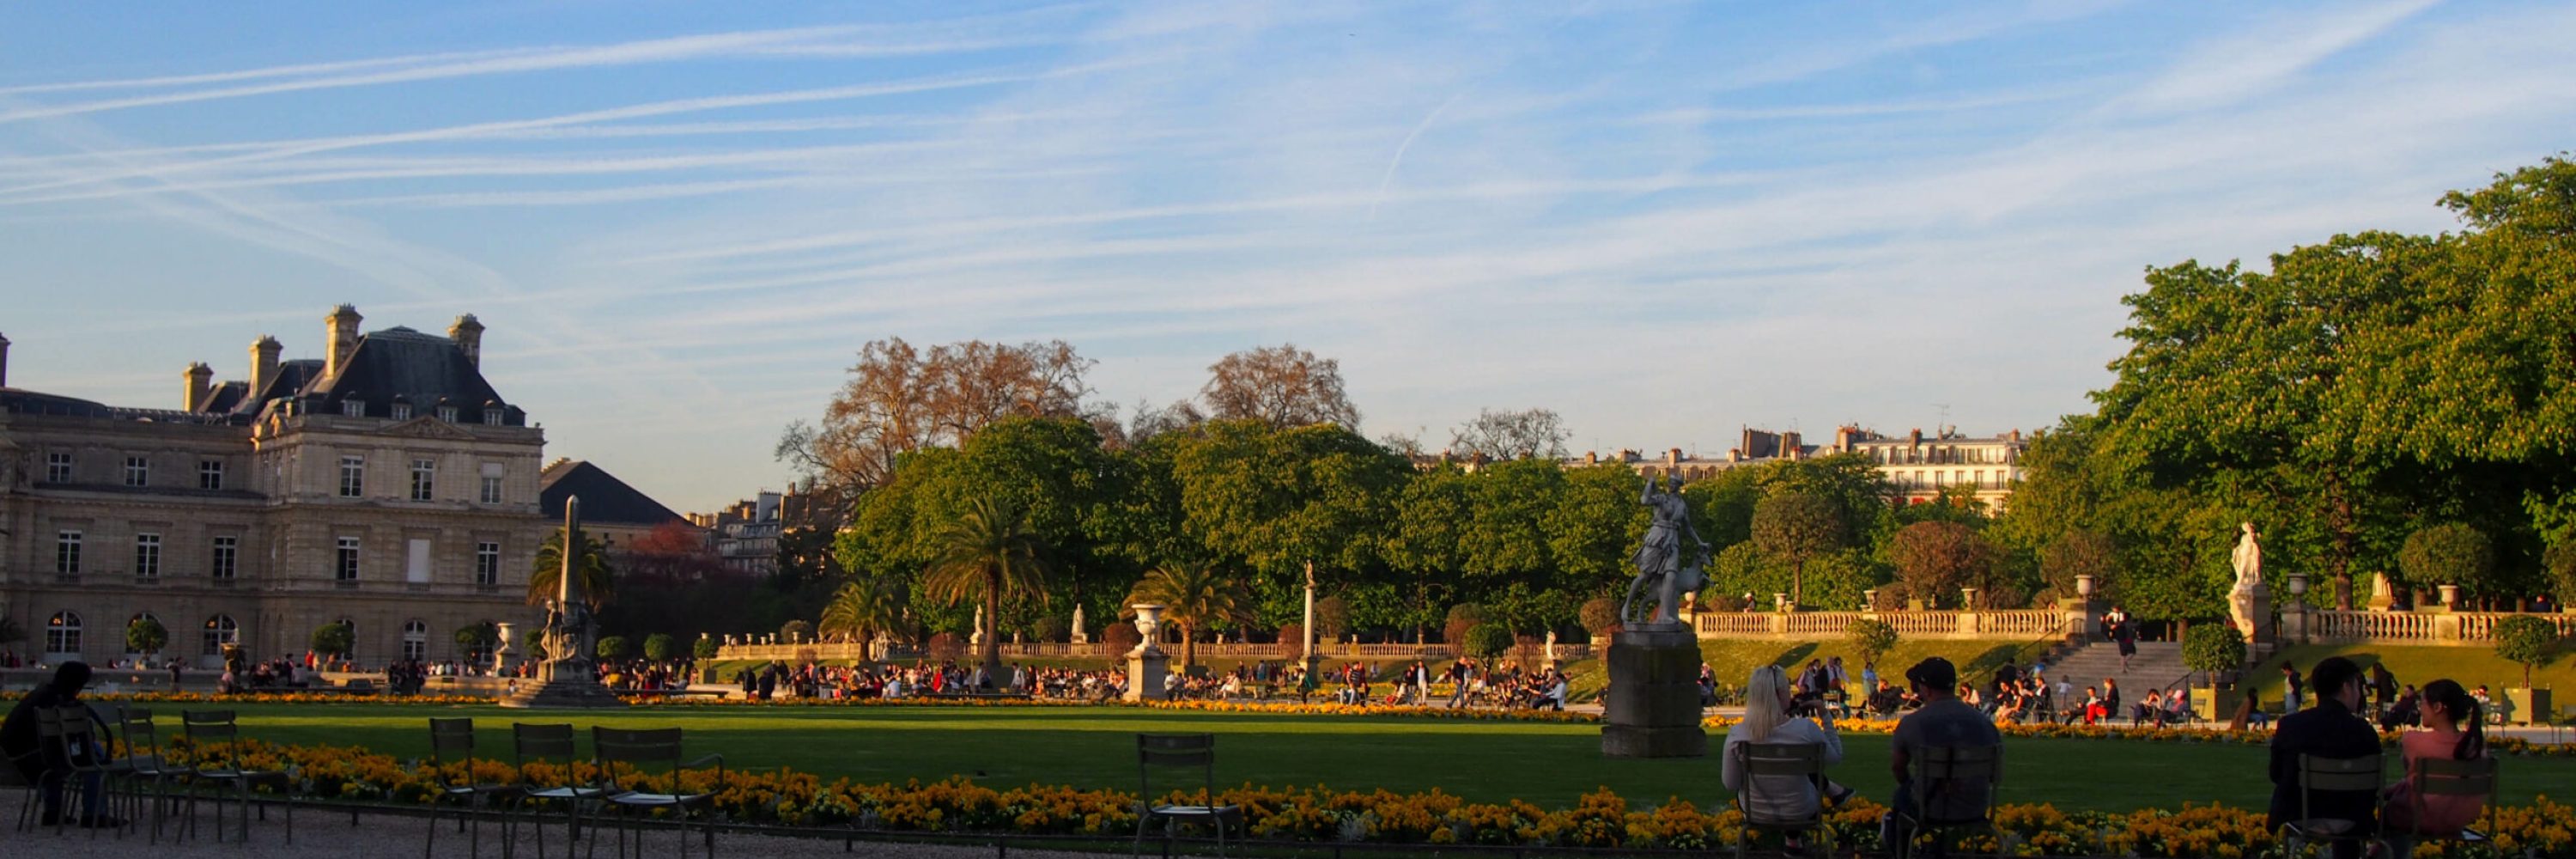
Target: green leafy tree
477, 638
1488, 640
145, 635
2560, 560
795, 632
545, 576
1872, 638
1332, 618
1426, 541
2213, 649
2079, 552
1599, 615
2451, 553
987, 555
1593, 532
657, 647
1795, 527
705, 648
334, 639
2526, 640
1194, 597
612, 647
1463, 617
533, 643
1276, 498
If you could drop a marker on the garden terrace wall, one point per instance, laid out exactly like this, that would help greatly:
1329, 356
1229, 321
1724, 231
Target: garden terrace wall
2467, 629
1943, 625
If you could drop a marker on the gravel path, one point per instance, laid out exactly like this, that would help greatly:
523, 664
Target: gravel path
327, 834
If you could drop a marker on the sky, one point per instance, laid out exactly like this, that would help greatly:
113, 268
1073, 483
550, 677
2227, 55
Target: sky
1663, 220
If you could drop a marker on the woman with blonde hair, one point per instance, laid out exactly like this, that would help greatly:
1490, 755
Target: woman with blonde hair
1769, 718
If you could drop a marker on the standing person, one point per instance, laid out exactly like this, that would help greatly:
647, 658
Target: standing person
2123, 633
2453, 730
2383, 685
2111, 699
1769, 718
25, 749
2289, 688
1941, 721
2332, 728
1461, 673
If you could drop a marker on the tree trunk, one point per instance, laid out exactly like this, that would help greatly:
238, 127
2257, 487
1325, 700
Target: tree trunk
2339, 521
992, 628
1189, 647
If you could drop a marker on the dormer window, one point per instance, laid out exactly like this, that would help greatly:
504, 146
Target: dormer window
355, 408
402, 411
447, 414
492, 414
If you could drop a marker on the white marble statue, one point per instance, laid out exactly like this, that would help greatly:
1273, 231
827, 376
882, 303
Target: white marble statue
2242, 601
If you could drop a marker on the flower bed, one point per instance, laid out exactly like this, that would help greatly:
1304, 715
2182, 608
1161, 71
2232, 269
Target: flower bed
1599, 819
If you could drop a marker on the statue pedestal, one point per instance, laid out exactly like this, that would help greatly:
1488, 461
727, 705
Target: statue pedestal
2252, 613
1652, 706
562, 686
1147, 667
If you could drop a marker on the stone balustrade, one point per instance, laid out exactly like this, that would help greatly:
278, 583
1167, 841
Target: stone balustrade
2474, 629
1814, 625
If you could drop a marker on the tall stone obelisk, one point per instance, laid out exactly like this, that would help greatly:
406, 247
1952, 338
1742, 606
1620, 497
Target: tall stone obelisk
567, 678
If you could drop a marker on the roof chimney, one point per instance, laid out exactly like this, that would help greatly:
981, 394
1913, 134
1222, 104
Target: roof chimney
200, 380
468, 334
1673, 457
263, 364
4, 362
1914, 436
342, 328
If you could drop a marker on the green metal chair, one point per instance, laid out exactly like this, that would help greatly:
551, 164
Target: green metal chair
453, 739
551, 744
144, 766
1762, 763
1179, 751
2363, 774
1944, 804
216, 737
2444, 777
628, 758
67, 733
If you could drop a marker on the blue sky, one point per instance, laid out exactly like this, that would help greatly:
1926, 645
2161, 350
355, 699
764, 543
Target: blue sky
1663, 220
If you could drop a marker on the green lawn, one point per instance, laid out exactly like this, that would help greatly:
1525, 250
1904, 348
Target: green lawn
1550, 764
2420, 665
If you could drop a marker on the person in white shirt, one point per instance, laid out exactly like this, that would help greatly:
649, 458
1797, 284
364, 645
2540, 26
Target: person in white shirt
1768, 719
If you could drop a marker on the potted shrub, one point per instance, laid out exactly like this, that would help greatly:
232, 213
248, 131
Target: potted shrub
2216, 650
2529, 641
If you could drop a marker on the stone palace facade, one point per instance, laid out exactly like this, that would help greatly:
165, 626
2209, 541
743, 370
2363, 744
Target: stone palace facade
387, 486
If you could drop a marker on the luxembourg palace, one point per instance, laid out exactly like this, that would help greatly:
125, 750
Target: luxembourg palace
387, 485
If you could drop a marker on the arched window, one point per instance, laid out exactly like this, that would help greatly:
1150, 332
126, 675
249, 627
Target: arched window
63, 634
220, 631
415, 641
139, 617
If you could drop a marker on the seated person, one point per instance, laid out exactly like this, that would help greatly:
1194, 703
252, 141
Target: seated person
2333, 728
2451, 732
1943, 721
27, 751
1771, 716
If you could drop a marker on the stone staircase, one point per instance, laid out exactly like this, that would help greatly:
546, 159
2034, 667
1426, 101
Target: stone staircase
2158, 665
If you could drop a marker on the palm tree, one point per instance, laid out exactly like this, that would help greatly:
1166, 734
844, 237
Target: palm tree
985, 554
859, 611
1192, 596
546, 577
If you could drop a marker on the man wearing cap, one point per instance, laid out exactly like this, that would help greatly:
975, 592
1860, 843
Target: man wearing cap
1942, 721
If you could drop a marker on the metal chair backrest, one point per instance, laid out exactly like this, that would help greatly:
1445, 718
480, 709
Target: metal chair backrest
643, 752
2340, 775
1174, 751
2448, 777
1944, 774
205, 728
1758, 760
451, 736
142, 738
533, 743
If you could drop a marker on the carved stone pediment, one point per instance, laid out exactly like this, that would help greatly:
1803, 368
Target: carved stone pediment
427, 428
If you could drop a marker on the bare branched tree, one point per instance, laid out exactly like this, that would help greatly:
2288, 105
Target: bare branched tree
1281, 385
1511, 435
900, 399
1149, 421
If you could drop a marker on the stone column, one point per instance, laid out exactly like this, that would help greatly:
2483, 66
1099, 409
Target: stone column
1146, 665
2294, 613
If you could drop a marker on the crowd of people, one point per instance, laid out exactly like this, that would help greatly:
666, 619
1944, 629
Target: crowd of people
1780, 712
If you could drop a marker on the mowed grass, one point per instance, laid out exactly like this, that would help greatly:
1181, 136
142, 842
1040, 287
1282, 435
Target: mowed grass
1550, 764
